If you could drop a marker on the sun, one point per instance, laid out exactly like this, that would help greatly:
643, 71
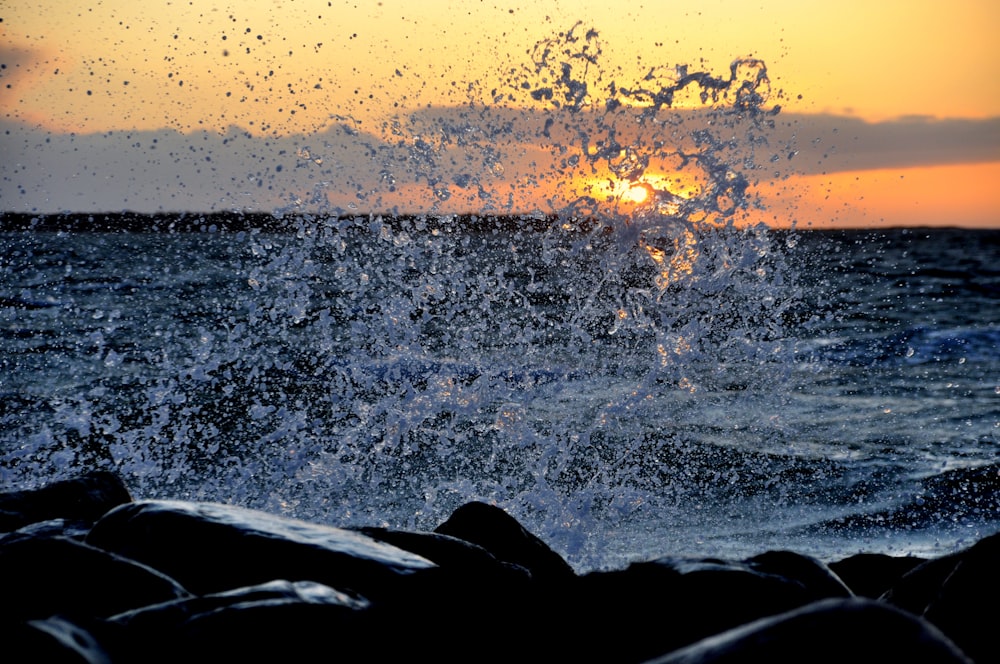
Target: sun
636, 193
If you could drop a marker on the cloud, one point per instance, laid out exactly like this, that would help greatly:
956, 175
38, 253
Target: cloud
832, 143
22, 68
13, 59
452, 159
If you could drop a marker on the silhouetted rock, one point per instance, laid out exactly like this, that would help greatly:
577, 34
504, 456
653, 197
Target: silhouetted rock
53, 640
835, 631
43, 576
211, 548
85, 498
817, 579
275, 621
472, 604
480, 588
872, 574
70, 529
446, 551
671, 602
507, 540
960, 593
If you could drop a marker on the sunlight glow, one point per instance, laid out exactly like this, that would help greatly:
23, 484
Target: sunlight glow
636, 193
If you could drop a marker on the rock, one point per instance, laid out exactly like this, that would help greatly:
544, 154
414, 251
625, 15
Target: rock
70, 529
668, 603
176, 612
479, 588
42, 576
275, 621
474, 608
507, 540
451, 553
816, 578
53, 641
859, 631
276, 631
960, 594
872, 574
85, 498
212, 548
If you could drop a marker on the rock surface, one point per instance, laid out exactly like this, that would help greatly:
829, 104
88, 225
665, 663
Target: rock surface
211, 548
85, 498
88, 575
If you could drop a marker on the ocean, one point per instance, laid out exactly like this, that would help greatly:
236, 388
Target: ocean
626, 388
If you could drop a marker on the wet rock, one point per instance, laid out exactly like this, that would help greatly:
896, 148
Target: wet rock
671, 602
499, 533
212, 548
274, 631
71, 529
54, 640
85, 498
872, 574
450, 553
275, 621
43, 576
860, 631
959, 594
816, 578
481, 587
475, 606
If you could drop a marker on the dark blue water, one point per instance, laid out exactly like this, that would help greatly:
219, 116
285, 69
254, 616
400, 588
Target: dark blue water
686, 389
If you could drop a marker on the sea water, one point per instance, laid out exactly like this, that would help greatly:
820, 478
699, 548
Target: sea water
385, 371
628, 378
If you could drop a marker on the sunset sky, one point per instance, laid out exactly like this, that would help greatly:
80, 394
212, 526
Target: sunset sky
891, 108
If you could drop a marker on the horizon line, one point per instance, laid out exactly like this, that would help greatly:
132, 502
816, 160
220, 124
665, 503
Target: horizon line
223, 221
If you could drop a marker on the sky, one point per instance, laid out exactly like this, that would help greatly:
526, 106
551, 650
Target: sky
889, 111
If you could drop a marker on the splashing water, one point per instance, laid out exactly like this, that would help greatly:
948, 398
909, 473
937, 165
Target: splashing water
616, 365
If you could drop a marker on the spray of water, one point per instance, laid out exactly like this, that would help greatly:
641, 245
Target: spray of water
589, 366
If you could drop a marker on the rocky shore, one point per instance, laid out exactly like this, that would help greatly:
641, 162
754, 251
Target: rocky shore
89, 575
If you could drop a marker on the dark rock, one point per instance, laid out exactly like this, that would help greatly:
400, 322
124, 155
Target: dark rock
507, 540
672, 602
859, 631
42, 576
84, 498
958, 593
176, 612
211, 548
481, 587
477, 607
872, 574
276, 631
816, 578
54, 640
70, 529
451, 553
276, 621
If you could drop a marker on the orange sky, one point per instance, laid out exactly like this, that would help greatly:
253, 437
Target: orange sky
296, 68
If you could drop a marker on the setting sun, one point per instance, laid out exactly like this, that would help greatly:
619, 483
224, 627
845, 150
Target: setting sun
636, 193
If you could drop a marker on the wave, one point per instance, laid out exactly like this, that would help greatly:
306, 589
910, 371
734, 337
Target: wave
912, 347
957, 498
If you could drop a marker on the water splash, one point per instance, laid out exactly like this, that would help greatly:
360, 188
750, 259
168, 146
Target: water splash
370, 368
